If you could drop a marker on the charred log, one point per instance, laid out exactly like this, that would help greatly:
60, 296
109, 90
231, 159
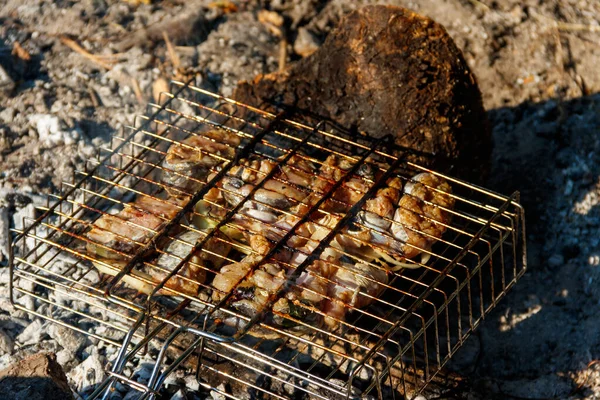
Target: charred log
388, 70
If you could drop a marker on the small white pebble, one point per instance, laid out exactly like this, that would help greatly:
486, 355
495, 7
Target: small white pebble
192, 383
218, 395
7, 344
64, 356
32, 334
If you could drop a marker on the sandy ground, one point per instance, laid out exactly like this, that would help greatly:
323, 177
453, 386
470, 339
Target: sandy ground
537, 66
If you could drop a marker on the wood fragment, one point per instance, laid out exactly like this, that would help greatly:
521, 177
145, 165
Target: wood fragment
137, 90
272, 21
282, 53
172, 54
186, 50
94, 97
161, 85
226, 6
73, 45
569, 27
20, 52
111, 58
138, 2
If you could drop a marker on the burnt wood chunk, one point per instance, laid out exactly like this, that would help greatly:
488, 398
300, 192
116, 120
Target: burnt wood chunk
388, 70
38, 377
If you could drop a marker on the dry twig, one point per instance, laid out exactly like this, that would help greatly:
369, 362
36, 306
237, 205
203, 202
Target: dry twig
282, 53
20, 52
137, 90
172, 54
93, 97
73, 45
568, 27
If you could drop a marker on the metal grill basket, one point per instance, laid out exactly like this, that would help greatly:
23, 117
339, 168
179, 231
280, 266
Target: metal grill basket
390, 348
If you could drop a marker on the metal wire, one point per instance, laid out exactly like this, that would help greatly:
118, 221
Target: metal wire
146, 299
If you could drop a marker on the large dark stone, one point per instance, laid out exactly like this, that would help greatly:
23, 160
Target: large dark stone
388, 70
38, 377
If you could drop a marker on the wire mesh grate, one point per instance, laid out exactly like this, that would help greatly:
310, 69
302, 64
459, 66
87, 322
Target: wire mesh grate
255, 248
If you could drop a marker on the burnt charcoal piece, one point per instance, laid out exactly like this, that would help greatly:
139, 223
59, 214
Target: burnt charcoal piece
388, 70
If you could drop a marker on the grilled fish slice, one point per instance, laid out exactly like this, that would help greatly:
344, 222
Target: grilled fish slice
332, 170
116, 236
189, 278
113, 239
252, 286
187, 164
421, 217
354, 286
274, 207
140, 281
